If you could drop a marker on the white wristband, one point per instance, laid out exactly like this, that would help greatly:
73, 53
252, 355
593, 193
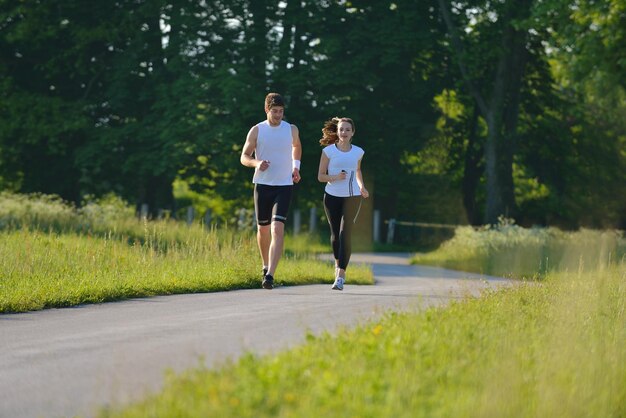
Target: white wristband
296, 164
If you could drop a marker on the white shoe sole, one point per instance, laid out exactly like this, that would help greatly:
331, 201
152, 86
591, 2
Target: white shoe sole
337, 287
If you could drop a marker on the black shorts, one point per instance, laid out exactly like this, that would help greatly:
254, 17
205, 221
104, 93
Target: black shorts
271, 203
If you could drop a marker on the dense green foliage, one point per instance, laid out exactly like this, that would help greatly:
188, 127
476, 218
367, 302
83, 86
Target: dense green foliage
466, 110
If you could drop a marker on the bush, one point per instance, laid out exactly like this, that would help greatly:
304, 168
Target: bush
35, 211
510, 250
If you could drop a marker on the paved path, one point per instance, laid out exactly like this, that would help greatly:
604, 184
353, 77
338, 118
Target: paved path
63, 362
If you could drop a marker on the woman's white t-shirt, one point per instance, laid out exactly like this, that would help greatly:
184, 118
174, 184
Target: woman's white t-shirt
347, 161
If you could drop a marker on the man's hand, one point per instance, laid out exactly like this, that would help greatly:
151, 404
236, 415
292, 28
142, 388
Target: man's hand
263, 165
295, 175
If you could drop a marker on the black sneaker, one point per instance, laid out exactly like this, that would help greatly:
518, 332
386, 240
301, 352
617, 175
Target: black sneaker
264, 272
268, 282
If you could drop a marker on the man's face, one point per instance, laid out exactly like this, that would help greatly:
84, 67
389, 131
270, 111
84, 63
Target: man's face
275, 115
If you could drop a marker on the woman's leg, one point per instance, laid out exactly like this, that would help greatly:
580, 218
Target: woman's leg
350, 207
333, 207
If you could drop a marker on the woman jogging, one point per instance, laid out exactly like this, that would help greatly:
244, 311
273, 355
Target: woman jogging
340, 169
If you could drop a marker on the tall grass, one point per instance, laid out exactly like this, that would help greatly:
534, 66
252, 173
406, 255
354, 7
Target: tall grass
50, 213
55, 255
112, 218
42, 270
548, 349
512, 251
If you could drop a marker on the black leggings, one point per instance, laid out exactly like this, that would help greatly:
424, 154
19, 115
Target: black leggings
340, 212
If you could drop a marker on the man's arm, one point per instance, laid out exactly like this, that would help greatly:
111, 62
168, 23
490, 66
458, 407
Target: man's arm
296, 153
296, 150
248, 149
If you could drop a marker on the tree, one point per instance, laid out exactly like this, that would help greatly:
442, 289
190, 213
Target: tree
584, 43
379, 63
50, 61
498, 101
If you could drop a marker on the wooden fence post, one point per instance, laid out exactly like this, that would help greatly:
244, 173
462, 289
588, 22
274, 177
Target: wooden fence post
296, 221
391, 230
242, 219
376, 226
313, 220
190, 215
207, 219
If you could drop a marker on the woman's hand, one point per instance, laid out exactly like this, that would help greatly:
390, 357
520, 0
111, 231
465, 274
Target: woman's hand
364, 192
340, 176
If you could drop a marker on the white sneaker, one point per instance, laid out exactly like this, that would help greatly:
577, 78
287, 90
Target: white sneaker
338, 285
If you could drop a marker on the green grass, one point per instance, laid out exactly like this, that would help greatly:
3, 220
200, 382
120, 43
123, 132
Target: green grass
553, 347
512, 251
548, 349
54, 255
43, 270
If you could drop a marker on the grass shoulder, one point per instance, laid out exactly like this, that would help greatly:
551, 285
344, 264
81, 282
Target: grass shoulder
47, 269
553, 349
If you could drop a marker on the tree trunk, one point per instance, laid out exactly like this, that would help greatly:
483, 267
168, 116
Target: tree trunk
157, 192
471, 170
500, 111
503, 128
258, 51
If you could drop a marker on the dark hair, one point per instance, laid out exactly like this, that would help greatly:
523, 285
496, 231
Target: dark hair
273, 99
329, 131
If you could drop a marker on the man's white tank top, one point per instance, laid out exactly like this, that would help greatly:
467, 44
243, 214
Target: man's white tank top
343, 161
274, 144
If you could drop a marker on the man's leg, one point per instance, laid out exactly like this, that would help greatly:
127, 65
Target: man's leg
263, 238
276, 245
263, 202
281, 207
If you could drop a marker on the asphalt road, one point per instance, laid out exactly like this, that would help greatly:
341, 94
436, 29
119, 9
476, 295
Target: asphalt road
67, 362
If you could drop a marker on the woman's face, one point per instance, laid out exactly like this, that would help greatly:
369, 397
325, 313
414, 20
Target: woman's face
345, 131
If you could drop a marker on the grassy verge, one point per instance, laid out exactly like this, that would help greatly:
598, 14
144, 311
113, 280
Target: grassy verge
511, 251
55, 254
42, 270
549, 349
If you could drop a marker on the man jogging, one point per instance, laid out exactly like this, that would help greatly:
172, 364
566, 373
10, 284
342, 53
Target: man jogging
276, 162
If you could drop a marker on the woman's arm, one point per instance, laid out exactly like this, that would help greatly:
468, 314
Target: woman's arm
322, 173
359, 181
